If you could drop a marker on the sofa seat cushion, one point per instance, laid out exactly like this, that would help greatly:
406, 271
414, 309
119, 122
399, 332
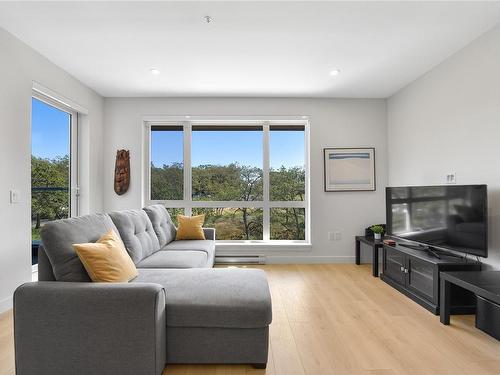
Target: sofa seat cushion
207, 246
59, 236
176, 259
213, 297
137, 233
162, 223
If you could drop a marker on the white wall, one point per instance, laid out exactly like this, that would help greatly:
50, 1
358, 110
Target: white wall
19, 67
334, 123
449, 121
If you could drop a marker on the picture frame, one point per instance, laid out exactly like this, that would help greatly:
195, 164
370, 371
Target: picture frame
349, 169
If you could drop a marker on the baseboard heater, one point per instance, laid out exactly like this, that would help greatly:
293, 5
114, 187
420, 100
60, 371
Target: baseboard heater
240, 259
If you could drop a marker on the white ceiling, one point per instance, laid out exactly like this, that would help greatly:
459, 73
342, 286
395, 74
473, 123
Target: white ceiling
251, 48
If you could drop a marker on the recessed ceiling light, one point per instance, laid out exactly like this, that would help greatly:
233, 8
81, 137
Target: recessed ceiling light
335, 72
188, 116
304, 116
154, 71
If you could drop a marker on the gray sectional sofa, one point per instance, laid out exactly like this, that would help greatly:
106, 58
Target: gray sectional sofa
177, 310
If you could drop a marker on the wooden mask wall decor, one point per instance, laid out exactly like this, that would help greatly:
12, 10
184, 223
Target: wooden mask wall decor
122, 172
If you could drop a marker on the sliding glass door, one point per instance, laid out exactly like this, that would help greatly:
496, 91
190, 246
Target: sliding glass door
54, 177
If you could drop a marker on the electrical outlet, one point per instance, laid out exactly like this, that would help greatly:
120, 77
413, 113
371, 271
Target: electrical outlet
451, 178
334, 236
15, 196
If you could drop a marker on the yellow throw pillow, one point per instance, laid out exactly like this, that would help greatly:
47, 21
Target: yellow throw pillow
190, 227
106, 260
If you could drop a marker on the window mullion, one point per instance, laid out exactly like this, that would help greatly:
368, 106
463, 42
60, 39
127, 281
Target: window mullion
188, 186
307, 181
74, 172
266, 214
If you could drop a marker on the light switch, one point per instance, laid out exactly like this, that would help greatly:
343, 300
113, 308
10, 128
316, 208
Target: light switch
15, 196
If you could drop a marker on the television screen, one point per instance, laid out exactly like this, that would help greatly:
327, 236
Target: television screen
451, 217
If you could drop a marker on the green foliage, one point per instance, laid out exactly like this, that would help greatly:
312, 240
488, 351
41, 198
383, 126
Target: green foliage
231, 182
287, 224
35, 233
377, 229
167, 182
49, 204
233, 223
235, 182
287, 184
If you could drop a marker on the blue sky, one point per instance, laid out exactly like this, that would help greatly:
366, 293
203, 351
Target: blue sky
49, 131
244, 147
50, 139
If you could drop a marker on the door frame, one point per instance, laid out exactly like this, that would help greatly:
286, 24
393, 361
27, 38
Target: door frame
74, 183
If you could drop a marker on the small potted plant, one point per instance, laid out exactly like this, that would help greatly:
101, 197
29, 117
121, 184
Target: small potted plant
377, 231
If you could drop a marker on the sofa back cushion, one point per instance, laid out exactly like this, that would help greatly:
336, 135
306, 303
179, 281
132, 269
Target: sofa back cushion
137, 233
59, 236
162, 223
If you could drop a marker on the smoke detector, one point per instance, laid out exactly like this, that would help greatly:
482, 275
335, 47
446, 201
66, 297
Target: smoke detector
208, 19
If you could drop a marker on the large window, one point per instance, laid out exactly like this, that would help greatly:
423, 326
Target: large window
250, 179
54, 175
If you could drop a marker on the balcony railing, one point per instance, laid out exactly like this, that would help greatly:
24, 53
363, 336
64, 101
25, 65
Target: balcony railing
59, 207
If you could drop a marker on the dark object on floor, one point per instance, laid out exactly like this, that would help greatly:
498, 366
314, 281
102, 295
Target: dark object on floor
122, 172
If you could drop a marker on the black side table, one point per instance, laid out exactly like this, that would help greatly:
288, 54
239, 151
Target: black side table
486, 286
375, 245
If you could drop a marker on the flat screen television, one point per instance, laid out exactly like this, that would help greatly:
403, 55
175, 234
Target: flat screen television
453, 217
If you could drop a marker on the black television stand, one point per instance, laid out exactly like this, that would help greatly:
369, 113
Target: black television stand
430, 250
415, 272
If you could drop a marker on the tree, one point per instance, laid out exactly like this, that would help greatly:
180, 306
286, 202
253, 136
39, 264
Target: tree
231, 182
235, 182
287, 184
167, 182
50, 189
250, 187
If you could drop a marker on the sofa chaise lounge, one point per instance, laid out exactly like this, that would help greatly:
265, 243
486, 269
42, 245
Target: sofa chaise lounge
177, 310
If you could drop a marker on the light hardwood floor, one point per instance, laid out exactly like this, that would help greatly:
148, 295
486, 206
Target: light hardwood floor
338, 319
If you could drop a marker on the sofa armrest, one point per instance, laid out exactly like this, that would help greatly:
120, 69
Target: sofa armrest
89, 328
209, 233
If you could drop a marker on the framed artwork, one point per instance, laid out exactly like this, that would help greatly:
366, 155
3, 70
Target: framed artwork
349, 169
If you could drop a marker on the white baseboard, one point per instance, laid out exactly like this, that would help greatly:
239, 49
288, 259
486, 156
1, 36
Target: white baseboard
308, 259
5, 304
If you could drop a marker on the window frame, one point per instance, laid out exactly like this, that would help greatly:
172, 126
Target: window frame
74, 173
187, 123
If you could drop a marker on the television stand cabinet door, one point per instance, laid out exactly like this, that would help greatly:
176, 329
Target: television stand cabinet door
416, 274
